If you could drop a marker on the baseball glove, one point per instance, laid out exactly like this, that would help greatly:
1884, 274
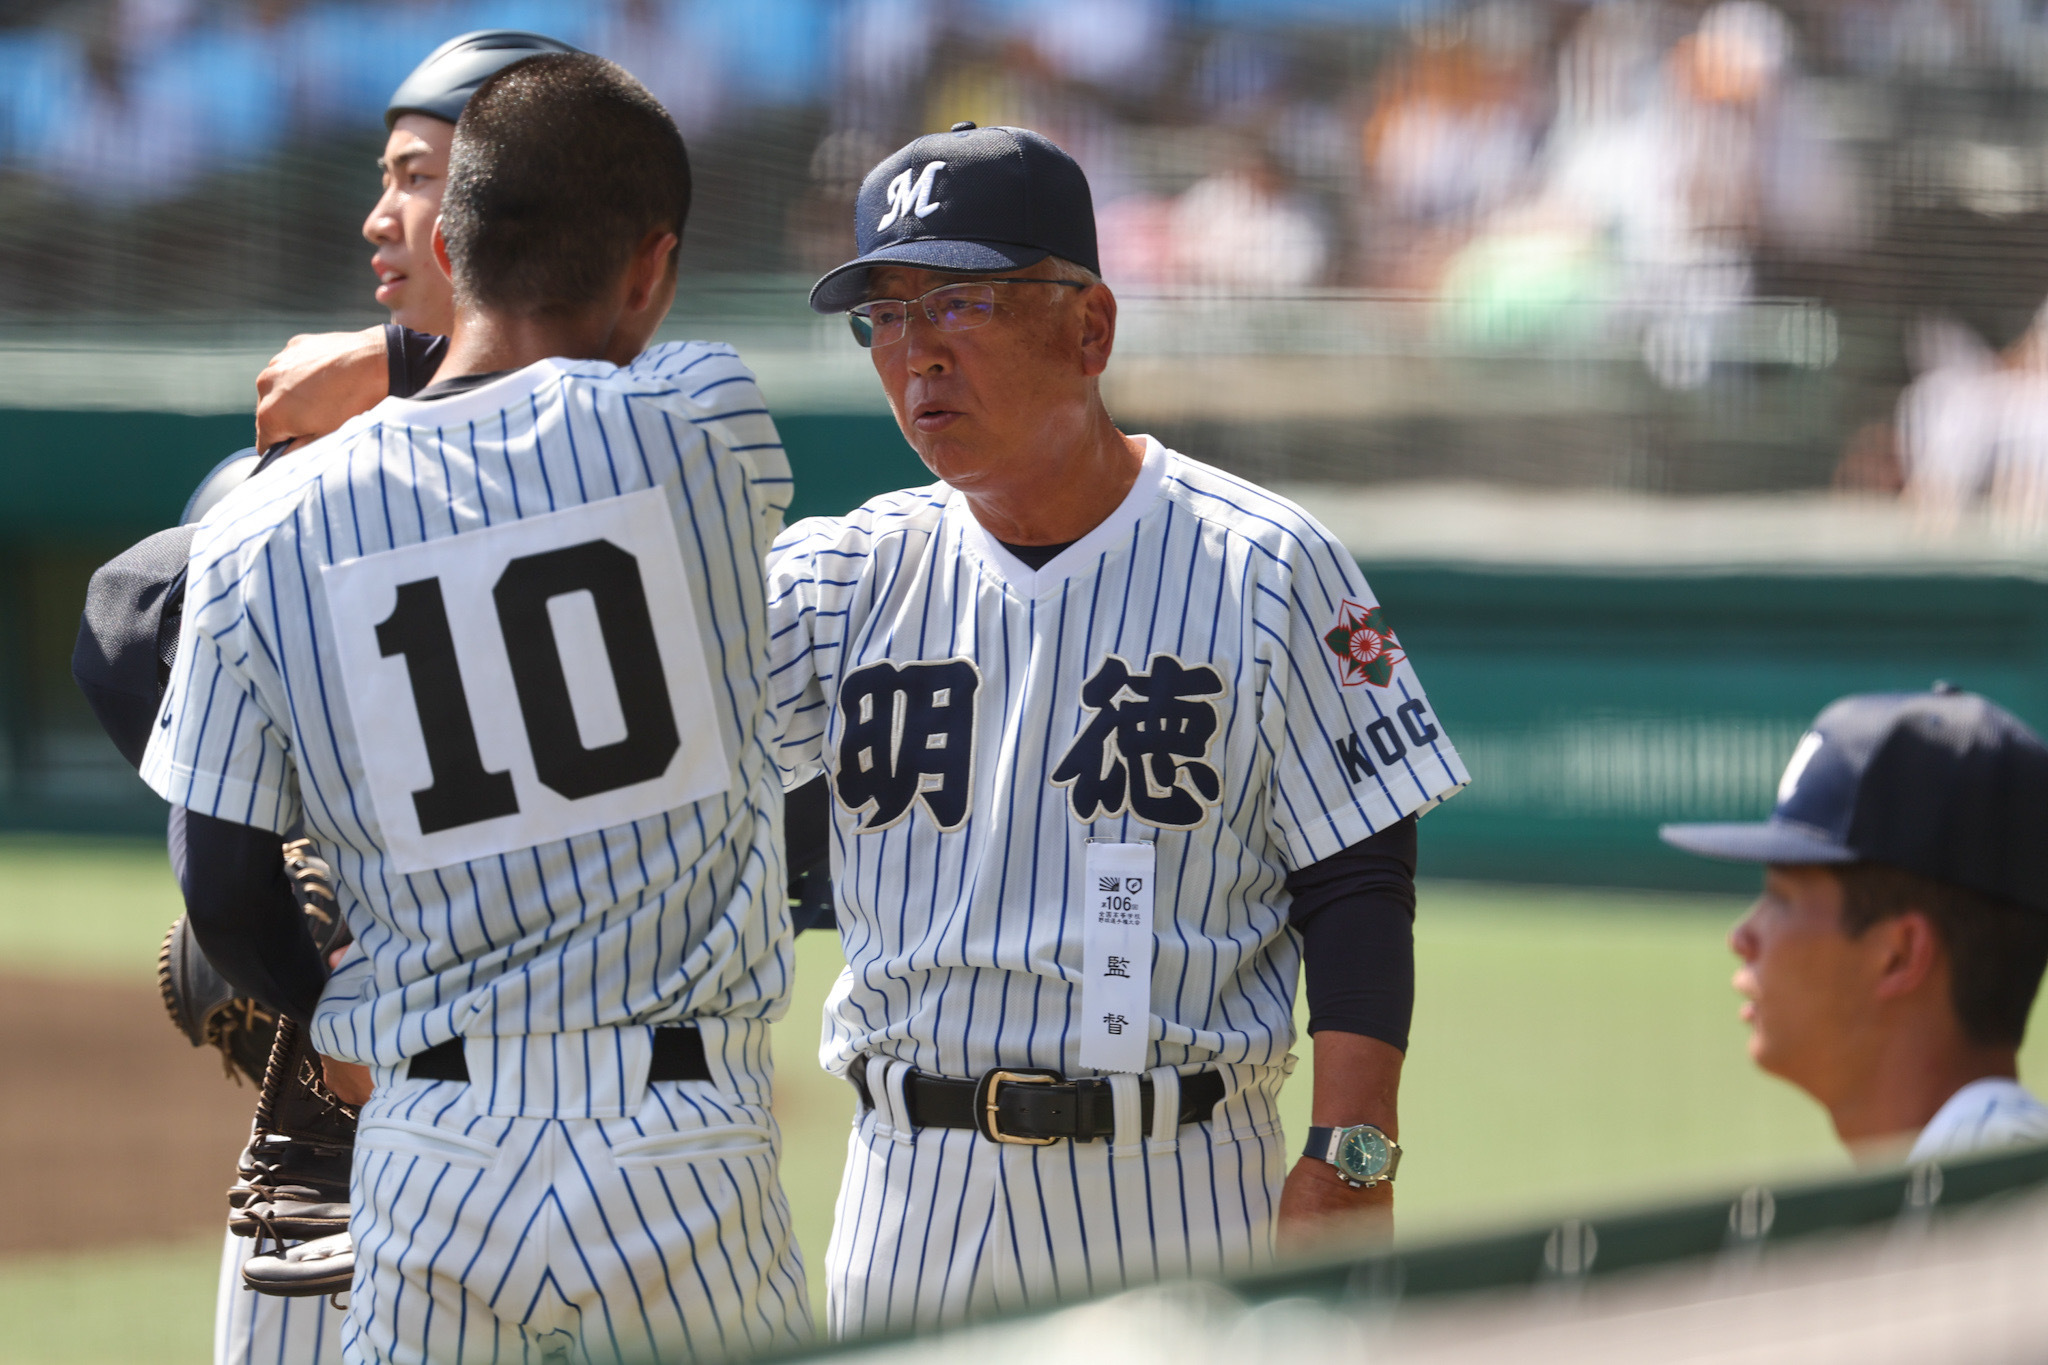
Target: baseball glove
314, 881
206, 1009
291, 1190
323, 1266
293, 1177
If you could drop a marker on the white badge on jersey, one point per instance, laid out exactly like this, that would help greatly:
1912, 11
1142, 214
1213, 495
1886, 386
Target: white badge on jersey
1116, 955
527, 682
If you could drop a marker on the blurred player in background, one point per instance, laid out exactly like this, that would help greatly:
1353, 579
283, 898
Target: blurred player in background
1890, 964
1115, 741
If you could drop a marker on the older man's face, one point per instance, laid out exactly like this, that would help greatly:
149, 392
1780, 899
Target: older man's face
975, 404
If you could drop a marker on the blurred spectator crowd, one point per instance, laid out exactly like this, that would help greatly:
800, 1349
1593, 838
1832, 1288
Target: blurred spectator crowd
1535, 171
1519, 154
1515, 149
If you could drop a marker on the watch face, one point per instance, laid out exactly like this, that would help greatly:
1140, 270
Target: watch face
1362, 1154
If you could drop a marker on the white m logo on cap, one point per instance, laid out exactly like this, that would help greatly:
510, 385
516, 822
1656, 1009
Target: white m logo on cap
904, 198
1796, 768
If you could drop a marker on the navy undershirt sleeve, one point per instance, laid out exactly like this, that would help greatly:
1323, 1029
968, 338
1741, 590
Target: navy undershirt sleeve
245, 912
807, 832
412, 358
1355, 911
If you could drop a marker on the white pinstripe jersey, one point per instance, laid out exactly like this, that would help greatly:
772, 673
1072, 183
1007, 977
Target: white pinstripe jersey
1206, 670
506, 707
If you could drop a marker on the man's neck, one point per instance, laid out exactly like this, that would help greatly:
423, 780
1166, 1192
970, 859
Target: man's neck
1906, 1086
1062, 499
488, 342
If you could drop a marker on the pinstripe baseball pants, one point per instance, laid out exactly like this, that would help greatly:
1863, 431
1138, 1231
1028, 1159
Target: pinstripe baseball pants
262, 1329
557, 1211
935, 1225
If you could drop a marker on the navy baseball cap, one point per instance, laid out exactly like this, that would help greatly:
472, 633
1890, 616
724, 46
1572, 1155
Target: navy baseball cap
1942, 783
973, 200
443, 83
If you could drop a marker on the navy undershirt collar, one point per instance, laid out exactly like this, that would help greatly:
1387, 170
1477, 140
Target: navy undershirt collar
461, 383
1037, 556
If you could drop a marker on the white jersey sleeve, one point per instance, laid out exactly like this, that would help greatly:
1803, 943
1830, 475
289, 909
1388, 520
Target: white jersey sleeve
730, 411
1355, 745
1982, 1116
215, 749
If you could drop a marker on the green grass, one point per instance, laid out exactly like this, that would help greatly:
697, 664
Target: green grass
1572, 1050
138, 1306
72, 906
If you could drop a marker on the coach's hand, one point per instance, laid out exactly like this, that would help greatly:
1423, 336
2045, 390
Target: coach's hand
1358, 1080
1318, 1210
317, 382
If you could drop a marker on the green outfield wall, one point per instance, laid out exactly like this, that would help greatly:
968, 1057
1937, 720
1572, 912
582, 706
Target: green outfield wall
1590, 706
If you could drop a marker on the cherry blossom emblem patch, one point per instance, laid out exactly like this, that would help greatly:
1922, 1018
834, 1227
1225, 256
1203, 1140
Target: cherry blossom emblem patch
1365, 647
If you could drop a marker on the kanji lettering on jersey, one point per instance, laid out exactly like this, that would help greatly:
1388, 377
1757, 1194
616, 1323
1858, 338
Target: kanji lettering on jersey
1145, 746
909, 737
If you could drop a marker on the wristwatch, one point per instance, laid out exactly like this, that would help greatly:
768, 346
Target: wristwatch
1363, 1155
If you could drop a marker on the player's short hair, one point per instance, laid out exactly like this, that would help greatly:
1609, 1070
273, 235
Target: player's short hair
1997, 948
561, 166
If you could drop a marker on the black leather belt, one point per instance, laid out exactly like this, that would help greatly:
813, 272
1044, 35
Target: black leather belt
678, 1056
1035, 1107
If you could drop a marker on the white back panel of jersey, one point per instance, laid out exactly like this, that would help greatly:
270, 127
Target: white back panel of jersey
494, 629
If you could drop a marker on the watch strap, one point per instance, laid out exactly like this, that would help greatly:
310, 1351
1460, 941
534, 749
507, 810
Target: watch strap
1322, 1146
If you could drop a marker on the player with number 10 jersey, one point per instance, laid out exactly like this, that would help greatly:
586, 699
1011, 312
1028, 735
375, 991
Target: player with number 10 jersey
500, 652
500, 648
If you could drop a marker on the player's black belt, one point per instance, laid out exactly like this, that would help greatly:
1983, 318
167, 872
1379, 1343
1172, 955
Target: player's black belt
1033, 1106
678, 1056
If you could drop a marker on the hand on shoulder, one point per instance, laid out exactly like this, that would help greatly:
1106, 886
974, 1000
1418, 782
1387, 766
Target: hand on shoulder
317, 382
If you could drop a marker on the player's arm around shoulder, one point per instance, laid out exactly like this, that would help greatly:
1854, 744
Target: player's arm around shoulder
317, 382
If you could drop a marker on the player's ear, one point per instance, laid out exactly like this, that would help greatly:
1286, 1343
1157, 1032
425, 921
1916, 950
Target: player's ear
1910, 953
1098, 328
652, 266
441, 249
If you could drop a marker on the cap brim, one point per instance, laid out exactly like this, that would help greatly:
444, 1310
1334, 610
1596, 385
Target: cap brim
842, 288
1775, 841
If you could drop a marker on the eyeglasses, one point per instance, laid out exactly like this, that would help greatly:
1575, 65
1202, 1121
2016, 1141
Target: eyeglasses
951, 307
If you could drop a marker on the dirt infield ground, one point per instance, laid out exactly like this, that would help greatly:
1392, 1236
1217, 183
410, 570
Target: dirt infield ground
115, 1131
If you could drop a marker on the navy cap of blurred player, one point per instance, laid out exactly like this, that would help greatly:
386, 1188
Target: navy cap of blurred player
1942, 783
443, 83
971, 200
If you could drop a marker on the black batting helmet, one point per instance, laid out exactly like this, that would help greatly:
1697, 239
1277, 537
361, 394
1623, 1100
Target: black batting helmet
443, 83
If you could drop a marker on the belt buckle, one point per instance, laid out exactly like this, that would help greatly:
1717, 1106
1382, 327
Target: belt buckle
986, 1093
